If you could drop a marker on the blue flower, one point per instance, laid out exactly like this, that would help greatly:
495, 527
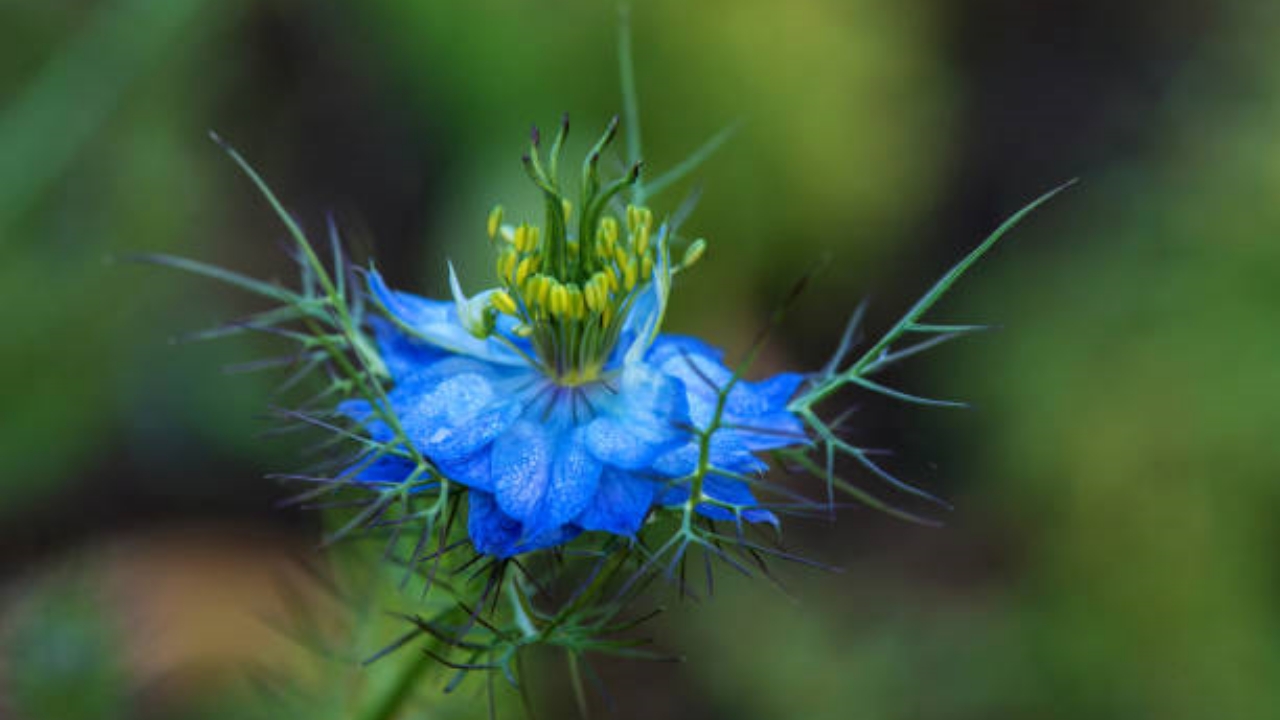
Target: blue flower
545, 461
554, 399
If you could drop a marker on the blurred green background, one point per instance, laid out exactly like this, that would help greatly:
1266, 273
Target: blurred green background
1112, 553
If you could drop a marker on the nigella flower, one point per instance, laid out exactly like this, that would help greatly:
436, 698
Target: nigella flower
557, 406
554, 398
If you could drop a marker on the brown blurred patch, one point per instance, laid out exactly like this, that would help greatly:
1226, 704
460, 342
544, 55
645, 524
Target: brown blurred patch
195, 607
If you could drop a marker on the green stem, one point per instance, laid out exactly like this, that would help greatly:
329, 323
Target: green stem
398, 692
579, 690
517, 611
630, 98
873, 356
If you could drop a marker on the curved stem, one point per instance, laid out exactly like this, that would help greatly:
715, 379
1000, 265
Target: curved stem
630, 98
387, 706
518, 612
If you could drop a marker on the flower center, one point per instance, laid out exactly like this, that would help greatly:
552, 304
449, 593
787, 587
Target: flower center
572, 282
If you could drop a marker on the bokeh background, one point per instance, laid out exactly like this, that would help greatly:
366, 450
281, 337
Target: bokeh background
1112, 552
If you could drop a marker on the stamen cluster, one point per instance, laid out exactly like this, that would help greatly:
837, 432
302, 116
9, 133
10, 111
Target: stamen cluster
572, 281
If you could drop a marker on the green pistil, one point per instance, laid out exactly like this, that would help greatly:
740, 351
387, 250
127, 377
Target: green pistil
571, 282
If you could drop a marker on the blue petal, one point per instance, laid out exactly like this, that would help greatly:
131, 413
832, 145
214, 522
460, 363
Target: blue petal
575, 479
437, 323
641, 317
697, 365
472, 470
672, 347
494, 533
357, 410
451, 411
779, 389
645, 319
727, 452
361, 412
621, 503
455, 407
401, 353
543, 474
755, 412
770, 432
521, 467
386, 469
550, 538
725, 490
645, 417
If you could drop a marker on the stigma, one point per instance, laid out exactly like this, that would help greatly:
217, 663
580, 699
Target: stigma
572, 282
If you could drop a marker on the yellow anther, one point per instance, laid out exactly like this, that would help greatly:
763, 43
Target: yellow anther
532, 236
577, 306
503, 302
523, 330
527, 267
620, 257
630, 274
642, 240
604, 285
506, 263
521, 238
495, 221
540, 290
611, 277
559, 299
591, 295
638, 217
607, 231
694, 252
646, 267
544, 291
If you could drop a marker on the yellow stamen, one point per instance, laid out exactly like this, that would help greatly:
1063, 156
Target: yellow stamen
495, 221
638, 217
630, 275
608, 230
590, 296
559, 299
642, 240
577, 306
694, 252
503, 302
506, 262
526, 268
540, 290
529, 242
